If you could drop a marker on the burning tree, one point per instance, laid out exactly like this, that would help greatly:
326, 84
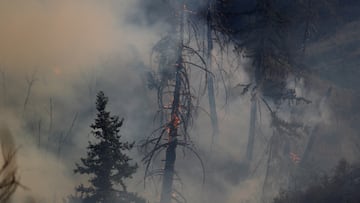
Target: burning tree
274, 35
175, 98
262, 32
106, 160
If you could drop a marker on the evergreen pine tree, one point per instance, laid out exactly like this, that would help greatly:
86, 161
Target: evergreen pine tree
106, 161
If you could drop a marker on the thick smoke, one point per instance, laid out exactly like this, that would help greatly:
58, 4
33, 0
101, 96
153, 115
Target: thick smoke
55, 56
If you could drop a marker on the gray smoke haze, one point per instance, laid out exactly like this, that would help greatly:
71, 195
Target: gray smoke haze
55, 56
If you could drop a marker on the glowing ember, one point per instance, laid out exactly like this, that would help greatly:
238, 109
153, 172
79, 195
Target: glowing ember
294, 157
176, 120
57, 71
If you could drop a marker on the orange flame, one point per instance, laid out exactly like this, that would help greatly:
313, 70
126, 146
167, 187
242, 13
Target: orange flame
295, 158
176, 120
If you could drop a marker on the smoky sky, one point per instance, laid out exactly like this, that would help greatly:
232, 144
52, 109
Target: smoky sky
56, 55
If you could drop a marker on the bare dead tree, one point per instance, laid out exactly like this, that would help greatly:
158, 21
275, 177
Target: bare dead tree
263, 38
210, 77
63, 137
173, 125
251, 136
30, 82
175, 100
279, 151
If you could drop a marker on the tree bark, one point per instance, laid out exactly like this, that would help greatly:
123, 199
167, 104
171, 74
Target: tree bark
170, 157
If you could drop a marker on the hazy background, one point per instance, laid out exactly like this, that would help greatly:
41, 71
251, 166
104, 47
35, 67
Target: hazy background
56, 55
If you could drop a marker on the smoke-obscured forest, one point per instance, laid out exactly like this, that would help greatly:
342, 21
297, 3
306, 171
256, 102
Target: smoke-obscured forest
190, 101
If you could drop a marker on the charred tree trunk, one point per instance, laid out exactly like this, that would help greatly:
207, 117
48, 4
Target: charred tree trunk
172, 140
210, 78
173, 125
251, 138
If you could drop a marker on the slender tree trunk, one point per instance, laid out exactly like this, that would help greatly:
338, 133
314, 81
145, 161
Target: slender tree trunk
266, 182
251, 137
166, 192
310, 144
171, 149
30, 82
307, 27
50, 122
210, 78
170, 156
39, 133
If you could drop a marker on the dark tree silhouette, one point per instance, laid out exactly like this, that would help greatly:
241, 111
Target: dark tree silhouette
8, 171
175, 58
263, 32
106, 160
341, 187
